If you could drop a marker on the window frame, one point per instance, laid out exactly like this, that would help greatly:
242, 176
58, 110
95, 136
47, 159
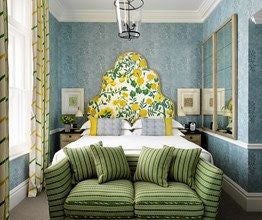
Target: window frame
21, 29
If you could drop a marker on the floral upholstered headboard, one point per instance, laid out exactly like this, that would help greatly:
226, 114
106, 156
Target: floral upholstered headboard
130, 90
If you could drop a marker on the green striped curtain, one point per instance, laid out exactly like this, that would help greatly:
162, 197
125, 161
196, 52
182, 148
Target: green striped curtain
40, 105
4, 146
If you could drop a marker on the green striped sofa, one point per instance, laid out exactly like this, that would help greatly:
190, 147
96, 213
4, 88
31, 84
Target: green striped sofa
122, 199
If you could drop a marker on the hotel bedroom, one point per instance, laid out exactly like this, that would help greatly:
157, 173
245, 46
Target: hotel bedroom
130, 109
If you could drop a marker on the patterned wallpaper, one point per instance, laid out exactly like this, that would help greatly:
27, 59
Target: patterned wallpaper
19, 169
55, 28
244, 9
242, 165
87, 50
255, 82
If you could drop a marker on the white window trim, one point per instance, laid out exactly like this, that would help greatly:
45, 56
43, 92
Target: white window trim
24, 28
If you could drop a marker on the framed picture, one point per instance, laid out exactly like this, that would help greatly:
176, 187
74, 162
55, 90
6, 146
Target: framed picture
72, 99
208, 101
188, 102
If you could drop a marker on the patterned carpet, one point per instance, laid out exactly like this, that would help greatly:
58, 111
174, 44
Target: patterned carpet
37, 209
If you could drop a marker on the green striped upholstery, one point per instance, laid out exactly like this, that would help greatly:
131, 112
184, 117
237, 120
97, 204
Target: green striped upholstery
89, 199
183, 165
177, 201
132, 162
58, 179
111, 163
153, 165
82, 162
208, 184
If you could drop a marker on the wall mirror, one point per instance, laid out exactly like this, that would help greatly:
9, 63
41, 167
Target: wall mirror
219, 80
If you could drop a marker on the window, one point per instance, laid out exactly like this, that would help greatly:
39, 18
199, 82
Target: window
20, 75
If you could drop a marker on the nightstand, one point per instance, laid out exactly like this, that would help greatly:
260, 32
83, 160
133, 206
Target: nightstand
68, 137
194, 137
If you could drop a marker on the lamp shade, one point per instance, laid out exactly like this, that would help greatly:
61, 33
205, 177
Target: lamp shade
79, 113
128, 14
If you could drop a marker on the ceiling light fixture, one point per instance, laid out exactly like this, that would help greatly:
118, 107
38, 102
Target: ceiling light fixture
128, 14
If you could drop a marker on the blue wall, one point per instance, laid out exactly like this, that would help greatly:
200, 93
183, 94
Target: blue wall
255, 82
18, 171
240, 164
173, 50
82, 52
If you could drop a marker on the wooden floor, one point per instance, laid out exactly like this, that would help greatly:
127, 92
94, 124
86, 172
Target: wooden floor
37, 209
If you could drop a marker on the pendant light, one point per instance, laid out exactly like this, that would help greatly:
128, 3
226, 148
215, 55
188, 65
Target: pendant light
128, 14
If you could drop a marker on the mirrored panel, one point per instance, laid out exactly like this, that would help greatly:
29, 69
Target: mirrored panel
207, 84
224, 79
220, 68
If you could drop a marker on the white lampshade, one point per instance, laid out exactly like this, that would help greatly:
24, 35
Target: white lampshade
79, 113
181, 112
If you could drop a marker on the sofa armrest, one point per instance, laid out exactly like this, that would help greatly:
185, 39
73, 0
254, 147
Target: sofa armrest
208, 184
58, 179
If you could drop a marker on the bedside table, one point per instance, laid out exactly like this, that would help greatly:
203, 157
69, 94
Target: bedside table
194, 137
68, 137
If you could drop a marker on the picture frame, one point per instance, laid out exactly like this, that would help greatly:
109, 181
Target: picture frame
188, 101
208, 98
72, 99
207, 101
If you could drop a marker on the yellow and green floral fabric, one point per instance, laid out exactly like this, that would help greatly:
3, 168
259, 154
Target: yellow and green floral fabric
130, 90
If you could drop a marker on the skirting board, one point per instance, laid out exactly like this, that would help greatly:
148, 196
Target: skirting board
18, 194
250, 202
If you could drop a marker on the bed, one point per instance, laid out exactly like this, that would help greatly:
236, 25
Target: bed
133, 144
131, 91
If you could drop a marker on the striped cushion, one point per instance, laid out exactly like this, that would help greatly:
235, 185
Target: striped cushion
183, 165
113, 199
82, 162
153, 165
111, 163
177, 201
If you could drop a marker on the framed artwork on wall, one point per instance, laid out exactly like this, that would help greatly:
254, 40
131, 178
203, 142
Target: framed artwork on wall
207, 101
188, 102
72, 100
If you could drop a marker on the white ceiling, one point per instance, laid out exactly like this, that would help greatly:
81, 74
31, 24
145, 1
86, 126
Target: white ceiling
154, 11
185, 5
257, 17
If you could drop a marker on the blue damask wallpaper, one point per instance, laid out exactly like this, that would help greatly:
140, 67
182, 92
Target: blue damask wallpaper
244, 9
241, 165
87, 50
18, 170
255, 82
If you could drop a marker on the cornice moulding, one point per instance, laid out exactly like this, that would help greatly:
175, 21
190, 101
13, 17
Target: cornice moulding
149, 16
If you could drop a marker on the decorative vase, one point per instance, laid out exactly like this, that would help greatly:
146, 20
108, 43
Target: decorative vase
67, 127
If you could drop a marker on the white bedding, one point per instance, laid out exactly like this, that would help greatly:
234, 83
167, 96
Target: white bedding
133, 144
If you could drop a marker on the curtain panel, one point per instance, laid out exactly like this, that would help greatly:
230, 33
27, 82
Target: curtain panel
4, 146
39, 151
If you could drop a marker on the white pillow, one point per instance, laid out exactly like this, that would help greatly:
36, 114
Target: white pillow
86, 125
176, 124
130, 132
85, 132
127, 125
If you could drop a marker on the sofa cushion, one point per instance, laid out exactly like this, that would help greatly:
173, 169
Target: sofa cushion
89, 199
183, 165
177, 201
111, 163
82, 162
153, 165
